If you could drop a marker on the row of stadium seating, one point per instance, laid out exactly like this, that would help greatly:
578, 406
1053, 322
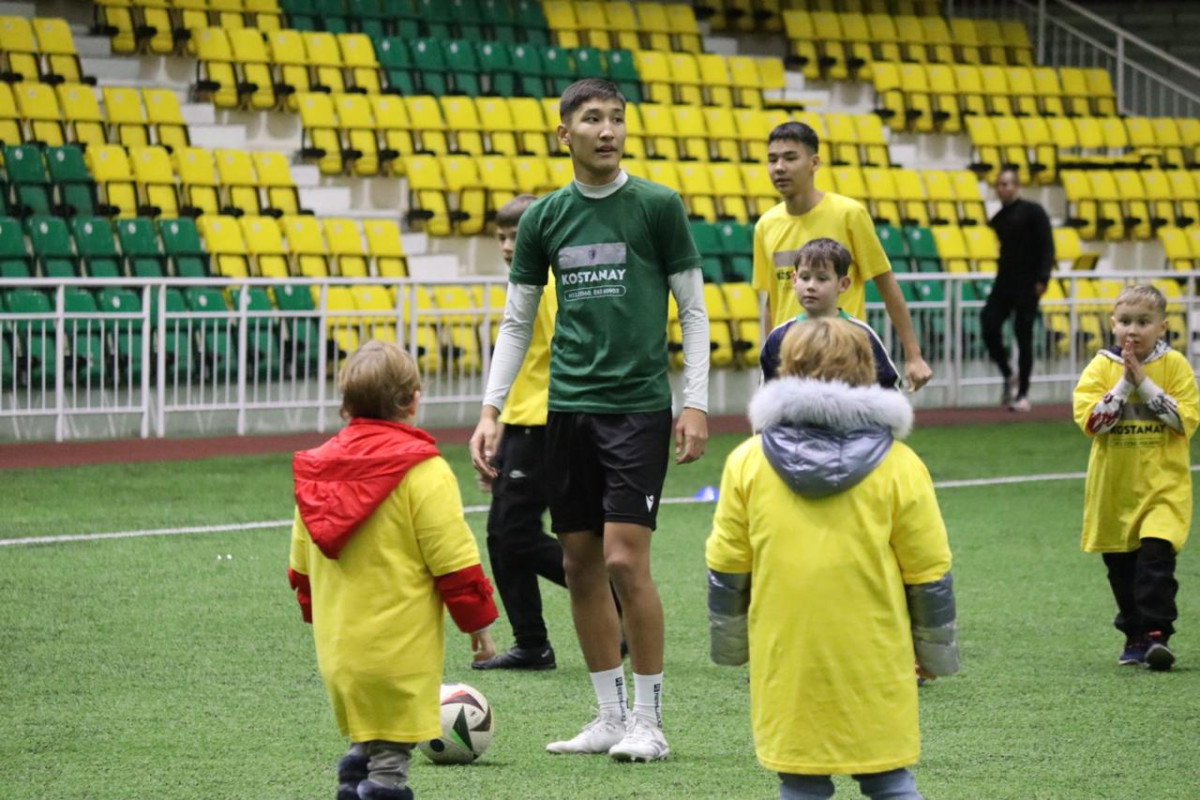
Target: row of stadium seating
1130, 204
39, 49
114, 182
837, 46
72, 112
364, 135
247, 69
767, 15
653, 26
936, 97
95, 247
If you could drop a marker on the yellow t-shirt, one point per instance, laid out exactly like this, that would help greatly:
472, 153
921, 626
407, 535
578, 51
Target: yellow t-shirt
831, 651
530, 394
778, 236
1139, 479
377, 616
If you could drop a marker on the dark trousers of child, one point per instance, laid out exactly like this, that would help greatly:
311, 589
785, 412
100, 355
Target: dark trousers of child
1143, 583
996, 311
519, 548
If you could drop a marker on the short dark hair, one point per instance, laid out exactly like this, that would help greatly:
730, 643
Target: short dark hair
510, 213
796, 132
1013, 168
580, 92
827, 252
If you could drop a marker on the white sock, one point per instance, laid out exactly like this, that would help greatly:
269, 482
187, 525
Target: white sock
610, 691
647, 697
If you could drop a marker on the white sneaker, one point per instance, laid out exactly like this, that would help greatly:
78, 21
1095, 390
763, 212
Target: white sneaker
643, 742
1021, 405
598, 736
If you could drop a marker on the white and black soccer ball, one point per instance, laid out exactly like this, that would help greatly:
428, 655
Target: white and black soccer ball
467, 726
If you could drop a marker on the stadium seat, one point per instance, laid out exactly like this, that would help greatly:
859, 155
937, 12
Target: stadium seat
742, 302
84, 338
96, 246
85, 122
181, 245
140, 248
386, 248
223, 240
109, 165
156, 185
126, 116
265, 247
53, 254
310, 254
33, 329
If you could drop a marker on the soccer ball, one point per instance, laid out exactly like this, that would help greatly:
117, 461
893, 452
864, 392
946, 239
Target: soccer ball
467, 726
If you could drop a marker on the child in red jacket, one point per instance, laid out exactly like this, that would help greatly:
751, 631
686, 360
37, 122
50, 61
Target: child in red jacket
379, 546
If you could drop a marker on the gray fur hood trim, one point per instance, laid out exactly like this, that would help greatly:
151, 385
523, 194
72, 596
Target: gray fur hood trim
833, 405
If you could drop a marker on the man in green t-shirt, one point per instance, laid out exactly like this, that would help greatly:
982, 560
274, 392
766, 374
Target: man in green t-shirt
617, 244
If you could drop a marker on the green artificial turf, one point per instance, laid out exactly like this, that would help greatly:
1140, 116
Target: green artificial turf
159, 667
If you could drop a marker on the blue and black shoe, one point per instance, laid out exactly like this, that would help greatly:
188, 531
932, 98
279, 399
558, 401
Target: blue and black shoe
1159, 657
351, 770
370, 790
1134, 653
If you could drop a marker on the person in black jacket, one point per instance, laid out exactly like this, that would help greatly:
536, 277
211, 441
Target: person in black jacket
1026, 259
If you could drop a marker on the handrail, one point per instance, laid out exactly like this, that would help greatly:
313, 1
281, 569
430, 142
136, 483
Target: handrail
1121, 32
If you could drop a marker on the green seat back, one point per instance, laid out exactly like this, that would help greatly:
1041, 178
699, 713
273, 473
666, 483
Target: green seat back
621, 67
14, 258
97, 246
921, 243
588, 63
139, 244
52, 247
181, 243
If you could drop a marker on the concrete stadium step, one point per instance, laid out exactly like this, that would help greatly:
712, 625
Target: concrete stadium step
18, 10
162, 72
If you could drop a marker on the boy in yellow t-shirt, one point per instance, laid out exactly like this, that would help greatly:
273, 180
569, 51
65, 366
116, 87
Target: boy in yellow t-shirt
1139, 403
828, 452
519, 548
808, 213
379, 547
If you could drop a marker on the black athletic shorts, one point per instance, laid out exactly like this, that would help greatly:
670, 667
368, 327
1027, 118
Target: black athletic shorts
605, 468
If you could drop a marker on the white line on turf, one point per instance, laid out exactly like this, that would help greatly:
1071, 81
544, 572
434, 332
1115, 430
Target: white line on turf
478, 509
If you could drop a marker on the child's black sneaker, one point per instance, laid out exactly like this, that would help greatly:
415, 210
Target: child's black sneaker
351, 770
1134, 653
531, 658
370, 790
1158, 656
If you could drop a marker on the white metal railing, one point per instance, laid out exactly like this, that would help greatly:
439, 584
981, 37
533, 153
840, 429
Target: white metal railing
1139, 69
158, 351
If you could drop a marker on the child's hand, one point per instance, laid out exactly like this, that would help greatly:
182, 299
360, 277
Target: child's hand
482, 645
1134, 373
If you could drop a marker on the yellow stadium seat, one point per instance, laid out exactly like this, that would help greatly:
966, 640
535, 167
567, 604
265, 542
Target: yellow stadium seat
499, 181
84, 119
358, 131
117, 22
109, 165
965, 36
690, 125
425, 114
623, 24
463, 120
239, 183
658, 126
881, 195
324, 59
531, 175
726, 180
885, 41
126, 116
347, 253
1167, 137
1016, 42
983, 248
418, 301
274, 175
198, 185
560, 170
968, 82
306, 245
685, 77
252, 62
469, 199
655, 27
802, 41
1102, 97
760, 192
1049, 91
394, 130
18, 50
10, 118
910, 35
752, 133
427, 195
321, 142
344, 327
498, 125
716, 82
291, 66
359, 62
157, 192
37, 104
57, 46
263, 15
560, 16
386, 248
1068, 247
939, 43
655, 71
223, 240
720, 332
742, 302
747, 81
1136, 219
913, 200
699, 194
723, 144
890, 99
165, 117
264, 245
1179, 247
1022, 92
685, 33
943, 206
218, 81
531, 125
952, 248
1039, 141
461, 327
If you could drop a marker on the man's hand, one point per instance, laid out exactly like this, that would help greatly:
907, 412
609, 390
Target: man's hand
916, 373
691, 435
485, 441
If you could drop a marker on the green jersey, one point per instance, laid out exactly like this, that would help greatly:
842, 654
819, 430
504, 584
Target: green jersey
611, 257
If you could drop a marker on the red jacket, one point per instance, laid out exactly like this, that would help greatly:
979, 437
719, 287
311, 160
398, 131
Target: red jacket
341, 483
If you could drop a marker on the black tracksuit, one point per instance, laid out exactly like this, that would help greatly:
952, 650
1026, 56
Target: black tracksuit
1026, 259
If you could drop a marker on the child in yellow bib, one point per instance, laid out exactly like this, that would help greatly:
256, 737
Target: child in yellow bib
1139, 404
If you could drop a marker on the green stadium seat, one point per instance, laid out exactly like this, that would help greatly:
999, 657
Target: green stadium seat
303, 339
704, 234
84, 336
175, 336
14, 258
468, 19
368, 17
559, 69
429, 60
530, 20
52, 250
181, 244
96, 245
498, 17
462, 60
401, 18
495, 62
527, 64
300, 14
139, 245
737, 247
623, 71
923, 248
124, 336
76, 190
35, 338
334, 16
436, 18
28, 180
263, 357
8, 365
589, 63
216, 332
396, 61
895, 246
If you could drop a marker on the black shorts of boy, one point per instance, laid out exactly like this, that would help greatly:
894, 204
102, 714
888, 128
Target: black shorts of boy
606, 468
